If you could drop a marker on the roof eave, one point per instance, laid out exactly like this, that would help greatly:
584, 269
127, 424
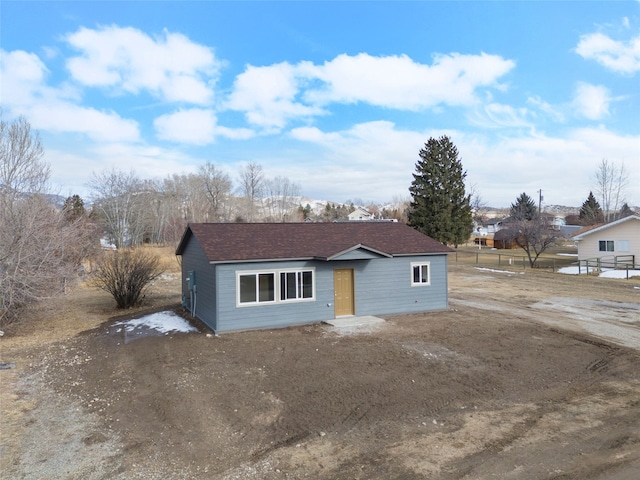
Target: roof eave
422, 254
580, 236
183, 241
259, 260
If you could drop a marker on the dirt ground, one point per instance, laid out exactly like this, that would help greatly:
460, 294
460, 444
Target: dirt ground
526, 376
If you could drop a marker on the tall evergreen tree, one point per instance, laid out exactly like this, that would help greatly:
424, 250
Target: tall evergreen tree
590, 212
625, 211
439, 206
73, 208
524, 208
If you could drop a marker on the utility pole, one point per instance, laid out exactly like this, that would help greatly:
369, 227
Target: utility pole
540, 198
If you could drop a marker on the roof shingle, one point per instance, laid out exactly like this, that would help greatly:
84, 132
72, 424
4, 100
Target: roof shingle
229, 242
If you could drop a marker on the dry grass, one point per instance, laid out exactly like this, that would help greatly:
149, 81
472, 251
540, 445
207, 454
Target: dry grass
85, 307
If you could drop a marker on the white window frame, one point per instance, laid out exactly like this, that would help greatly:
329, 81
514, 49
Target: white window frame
256, 273
421, 283
606, 247
299, 285
277, 286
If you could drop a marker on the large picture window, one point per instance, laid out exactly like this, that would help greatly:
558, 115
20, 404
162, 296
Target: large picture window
273, 287
606, 245
420, 274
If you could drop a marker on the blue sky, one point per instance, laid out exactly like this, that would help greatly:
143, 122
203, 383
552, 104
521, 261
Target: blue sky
337, 96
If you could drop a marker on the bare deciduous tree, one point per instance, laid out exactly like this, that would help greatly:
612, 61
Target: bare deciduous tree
41, 248
22, 169
534, 236
217, 186
118, 204
282, 197
126, 274
478, 205
251, 185
611, 182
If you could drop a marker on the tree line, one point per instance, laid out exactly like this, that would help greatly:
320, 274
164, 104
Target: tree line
132, 211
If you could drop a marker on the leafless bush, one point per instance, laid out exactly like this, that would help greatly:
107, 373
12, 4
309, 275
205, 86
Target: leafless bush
126, 274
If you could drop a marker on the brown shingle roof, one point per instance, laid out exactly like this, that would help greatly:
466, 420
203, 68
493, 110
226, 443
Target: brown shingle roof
225, 242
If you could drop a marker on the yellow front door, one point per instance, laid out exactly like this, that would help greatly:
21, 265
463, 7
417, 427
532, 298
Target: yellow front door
343, 292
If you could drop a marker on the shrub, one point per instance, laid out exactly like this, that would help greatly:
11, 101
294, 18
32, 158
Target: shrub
126, 274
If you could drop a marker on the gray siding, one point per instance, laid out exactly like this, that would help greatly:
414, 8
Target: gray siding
194, 259
232, 317
382, 287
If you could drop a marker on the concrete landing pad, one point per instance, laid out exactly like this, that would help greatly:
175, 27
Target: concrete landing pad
354, 321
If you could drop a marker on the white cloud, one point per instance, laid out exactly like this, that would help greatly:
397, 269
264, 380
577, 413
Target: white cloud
195, 126
620, 57
66, 117
235, 133
268, 96
496, 115
562, 165
273, 95
53, 109
591, 101
372, 161
549, 110
23, 74
399, 82
375, 161
171, 67
72, 170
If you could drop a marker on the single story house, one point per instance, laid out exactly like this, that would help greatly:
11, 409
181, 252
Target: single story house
611, 242
505, 238
240, 276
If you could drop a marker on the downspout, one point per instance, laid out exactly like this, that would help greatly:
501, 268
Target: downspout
194, 294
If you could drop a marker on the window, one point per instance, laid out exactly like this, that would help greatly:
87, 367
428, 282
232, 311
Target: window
256, 287
623, 245
296, 285
420, 274
605, 245
274, 287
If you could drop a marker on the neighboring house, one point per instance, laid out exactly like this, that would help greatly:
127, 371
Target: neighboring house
505, 239
611, 241
493, 225
568, 230
558, 222
239, 276
361, 213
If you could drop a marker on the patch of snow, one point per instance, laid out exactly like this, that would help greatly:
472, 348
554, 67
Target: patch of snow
619, 273
497, 271
573, 270
162, 322
567, 254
